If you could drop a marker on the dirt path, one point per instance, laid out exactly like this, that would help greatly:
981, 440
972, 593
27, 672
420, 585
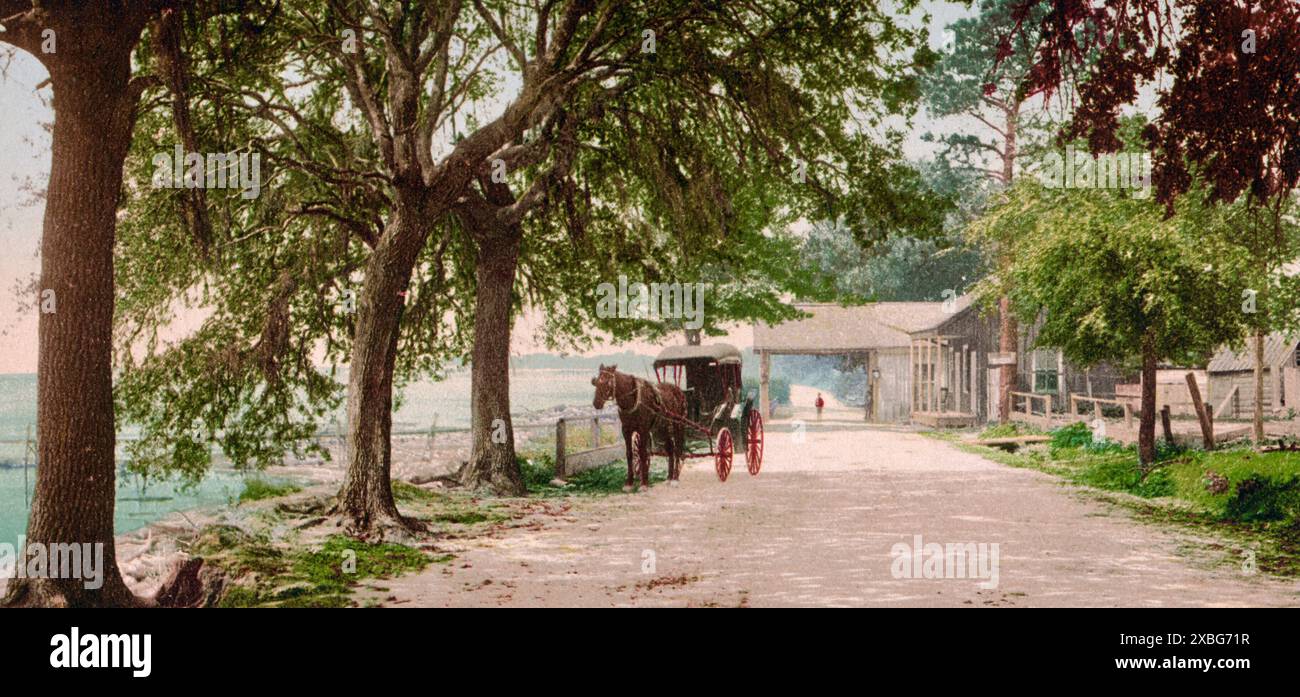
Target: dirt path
817, 528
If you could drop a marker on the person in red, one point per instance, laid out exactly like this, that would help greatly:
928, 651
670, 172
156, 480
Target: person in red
819, 404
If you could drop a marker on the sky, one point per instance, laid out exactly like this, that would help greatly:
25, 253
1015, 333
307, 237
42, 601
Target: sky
25, 162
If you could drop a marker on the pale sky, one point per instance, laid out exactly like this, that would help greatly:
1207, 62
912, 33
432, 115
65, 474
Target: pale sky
25, 158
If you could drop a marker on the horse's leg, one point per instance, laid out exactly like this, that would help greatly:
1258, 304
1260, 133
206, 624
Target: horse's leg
627, 441
645, 461
679, 441
674, 457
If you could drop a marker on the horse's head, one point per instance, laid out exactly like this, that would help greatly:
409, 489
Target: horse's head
604, 382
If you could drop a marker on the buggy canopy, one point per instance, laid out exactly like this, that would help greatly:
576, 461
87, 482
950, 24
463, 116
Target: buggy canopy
724, 354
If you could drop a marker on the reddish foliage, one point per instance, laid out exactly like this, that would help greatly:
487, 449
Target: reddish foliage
1229, 112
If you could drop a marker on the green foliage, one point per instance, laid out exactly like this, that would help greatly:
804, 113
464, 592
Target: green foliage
1079, 435
258, 489
1256, 487
539, 472
1010, 430
1125, 474
1104, 270
671, 166
778, 389
266, 575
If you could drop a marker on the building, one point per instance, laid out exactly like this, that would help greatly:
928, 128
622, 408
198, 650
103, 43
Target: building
929, 362
925, 361
1232, 378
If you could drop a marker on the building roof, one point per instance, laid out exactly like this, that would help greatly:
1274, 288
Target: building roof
1277, 348
722, 353
835, 328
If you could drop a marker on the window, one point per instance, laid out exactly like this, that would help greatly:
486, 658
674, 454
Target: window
1047, 381
1047, 377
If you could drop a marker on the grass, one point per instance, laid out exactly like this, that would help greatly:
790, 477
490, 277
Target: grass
539, 471
437, 507
1009, 430
1251, 496
265, 575
258, 489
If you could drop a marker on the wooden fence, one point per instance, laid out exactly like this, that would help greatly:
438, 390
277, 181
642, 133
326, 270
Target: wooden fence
567, 463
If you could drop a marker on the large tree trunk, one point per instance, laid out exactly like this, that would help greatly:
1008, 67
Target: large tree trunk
366, 499
75, 478
492, 462
1259, 386
1147, 419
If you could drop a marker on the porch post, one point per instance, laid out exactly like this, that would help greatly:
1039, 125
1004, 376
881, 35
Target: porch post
764, 371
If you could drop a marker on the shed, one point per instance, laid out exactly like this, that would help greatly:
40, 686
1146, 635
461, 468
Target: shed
1232, 377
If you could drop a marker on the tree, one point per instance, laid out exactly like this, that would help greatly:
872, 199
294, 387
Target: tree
920, 263
1113, 280
1227, 109
87, 49
982, 76
356, 201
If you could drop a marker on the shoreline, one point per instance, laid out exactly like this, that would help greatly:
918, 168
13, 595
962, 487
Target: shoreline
146, 555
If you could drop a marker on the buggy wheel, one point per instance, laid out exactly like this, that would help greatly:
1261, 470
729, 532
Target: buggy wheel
754, 442
640, 464
723, 453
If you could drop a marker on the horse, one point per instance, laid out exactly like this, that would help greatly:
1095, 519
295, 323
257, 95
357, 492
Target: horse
642, 409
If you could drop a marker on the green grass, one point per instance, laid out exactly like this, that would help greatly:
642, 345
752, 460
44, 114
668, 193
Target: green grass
265, 575
539, 471
1010, 430
258, 489
1241, 485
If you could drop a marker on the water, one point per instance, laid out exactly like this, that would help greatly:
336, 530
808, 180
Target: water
531, 389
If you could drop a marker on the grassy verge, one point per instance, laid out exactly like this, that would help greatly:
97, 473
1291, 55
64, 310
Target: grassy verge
280, 555
1249, 497
262, 573
539, 471
259, 489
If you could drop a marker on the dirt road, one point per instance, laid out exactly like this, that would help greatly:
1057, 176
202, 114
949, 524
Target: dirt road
817, 527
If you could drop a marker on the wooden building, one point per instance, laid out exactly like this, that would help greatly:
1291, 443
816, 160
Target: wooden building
1232, 378
925, 361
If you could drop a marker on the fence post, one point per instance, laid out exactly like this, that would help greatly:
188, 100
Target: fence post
1128, 415
1096, 410
559, 449
595, 432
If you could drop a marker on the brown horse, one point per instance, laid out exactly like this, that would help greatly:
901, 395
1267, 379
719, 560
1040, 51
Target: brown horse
642, 409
